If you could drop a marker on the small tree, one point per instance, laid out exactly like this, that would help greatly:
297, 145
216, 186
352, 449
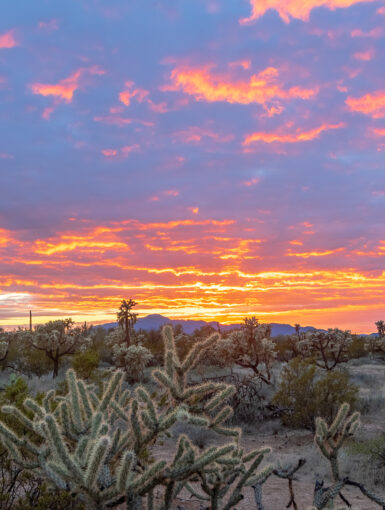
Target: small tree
57, 339
4, 344
328, 348
127, 319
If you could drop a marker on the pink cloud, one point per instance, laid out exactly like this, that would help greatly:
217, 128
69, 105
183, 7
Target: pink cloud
48, 25
295, 137
364, 55
121, 153
8, 40
375, 33
126, 95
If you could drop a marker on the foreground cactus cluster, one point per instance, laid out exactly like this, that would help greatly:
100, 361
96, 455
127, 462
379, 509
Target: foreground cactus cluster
99, 444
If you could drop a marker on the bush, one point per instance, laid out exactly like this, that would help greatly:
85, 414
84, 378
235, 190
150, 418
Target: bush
85, 363
304, 395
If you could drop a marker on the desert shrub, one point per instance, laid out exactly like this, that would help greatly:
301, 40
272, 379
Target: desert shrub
39, 496
304, 395
85, 363
357, 348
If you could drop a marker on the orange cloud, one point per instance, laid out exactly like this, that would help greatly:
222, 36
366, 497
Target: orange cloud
8, 40
378, 131
260, 88
298, 136
364, 55
298, 9
372, 104
251, 182
64, 89
126, 95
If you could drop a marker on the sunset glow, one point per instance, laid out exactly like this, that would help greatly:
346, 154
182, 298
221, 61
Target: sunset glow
210, 160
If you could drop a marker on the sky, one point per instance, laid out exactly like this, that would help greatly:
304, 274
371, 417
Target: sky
211, 159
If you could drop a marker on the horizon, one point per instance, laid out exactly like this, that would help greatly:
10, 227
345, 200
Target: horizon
212, 160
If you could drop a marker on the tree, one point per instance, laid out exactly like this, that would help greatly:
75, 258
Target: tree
328, 348
127, 319
59, 338
250, 347
380, 328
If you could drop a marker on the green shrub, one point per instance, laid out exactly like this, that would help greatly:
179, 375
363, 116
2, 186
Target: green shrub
85, 363
357, 348
304, 395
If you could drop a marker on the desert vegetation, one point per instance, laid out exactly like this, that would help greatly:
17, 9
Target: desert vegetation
163, 420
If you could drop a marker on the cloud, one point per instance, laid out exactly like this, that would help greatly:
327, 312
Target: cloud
123, 152
262, 88
372, 104
364, 55
298, 9
195, 134
297, 136
64, 89
375, 33
129, 92
48, 26
8, 40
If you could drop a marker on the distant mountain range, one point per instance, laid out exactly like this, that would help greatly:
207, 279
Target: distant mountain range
155, 321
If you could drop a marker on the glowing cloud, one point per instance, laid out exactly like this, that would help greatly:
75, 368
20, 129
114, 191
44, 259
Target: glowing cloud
126, 95
372, 104
8, 40
260, 88
298, 9
298, 136
64, 89
364, 55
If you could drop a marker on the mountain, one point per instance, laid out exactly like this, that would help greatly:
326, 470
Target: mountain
156, 321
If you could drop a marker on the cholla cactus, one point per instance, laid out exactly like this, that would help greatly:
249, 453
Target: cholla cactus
4, 344
250, 347
132, 358
329, 348
98, 446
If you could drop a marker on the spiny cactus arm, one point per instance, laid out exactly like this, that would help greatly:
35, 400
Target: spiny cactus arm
47, 400
120, 412
23, 419
114, 383
85, 399
223, 415
171, 357
96, 423
141, 484
59, 447
338, 421
234, 432
197, 351
54, 473
33, 406
65, 421
220, 397
195, 493
80, 451
209, 456
124, 471
96, 460
145, 397
169, 384
75, 400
